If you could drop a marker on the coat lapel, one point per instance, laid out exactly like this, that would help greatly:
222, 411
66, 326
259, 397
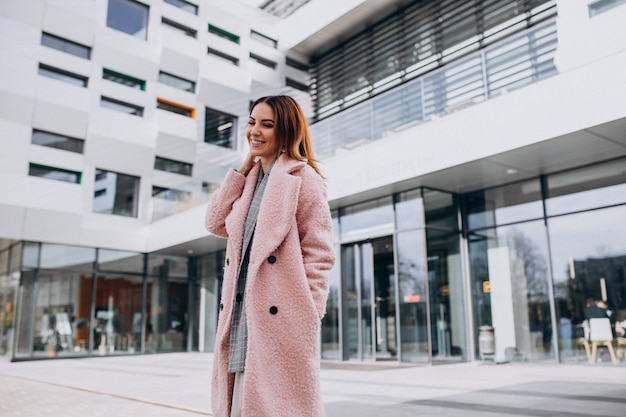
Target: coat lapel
235, 222
278, 208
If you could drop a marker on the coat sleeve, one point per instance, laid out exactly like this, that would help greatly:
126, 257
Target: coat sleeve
316, 237
221, 202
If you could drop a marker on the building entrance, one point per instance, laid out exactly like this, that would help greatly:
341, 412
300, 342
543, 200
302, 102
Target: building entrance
369, 300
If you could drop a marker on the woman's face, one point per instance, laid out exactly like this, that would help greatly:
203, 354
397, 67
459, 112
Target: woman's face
261, 132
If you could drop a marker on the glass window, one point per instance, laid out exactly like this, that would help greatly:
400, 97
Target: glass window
367, 219
116, 193
205, 301
128, 16
290, 62
177, 108
54, 140
224, 34
331, 348
220, 128
263, 61
127, 80
265, 40
169, 165
223, 57
440, 210
511, 290
413, 296
171, 266
184, 5
120, 261
30, 255
167, 318
502, 205
65, 45
409, 210
117, 105
297, 85
73, 258
588, 252
24, 331
602, 6
171, 194
591, 187
177, 82
62, 75
170, 24
62, 310
51, 173
118, 316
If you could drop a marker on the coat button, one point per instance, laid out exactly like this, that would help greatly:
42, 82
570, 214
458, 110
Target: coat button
271, 259
221, 306
273, 310
227, 261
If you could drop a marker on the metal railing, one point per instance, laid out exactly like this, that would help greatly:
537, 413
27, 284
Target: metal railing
513, 63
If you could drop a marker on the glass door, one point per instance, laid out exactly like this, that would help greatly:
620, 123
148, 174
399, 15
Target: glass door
369, 312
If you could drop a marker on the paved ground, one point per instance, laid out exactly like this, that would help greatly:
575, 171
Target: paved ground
178, 384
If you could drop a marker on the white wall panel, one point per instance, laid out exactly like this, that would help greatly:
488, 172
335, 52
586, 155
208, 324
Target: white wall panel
180, 56
175, 147
14, 146
12, 220
29, 12
75, 20
110, 154
59, 119
584, 39
57, 158
16, 107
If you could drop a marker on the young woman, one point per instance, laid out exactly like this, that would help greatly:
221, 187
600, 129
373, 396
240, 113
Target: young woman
274, 213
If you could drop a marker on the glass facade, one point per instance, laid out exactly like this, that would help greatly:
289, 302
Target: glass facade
419, 273
77, 301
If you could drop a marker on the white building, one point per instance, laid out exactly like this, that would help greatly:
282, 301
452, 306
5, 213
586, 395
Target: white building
475, 155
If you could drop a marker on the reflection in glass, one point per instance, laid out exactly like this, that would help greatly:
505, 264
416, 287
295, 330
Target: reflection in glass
509, 267
409, 210
330, 324
118, 319
366, 277
367, 219
75, 258
24, 332
30, 255
120, 261
595, 186
384, 280
588, 261
413, 297
116, 193
61, 317
207, 289
167, 317
350, 303
508, 204
129, 17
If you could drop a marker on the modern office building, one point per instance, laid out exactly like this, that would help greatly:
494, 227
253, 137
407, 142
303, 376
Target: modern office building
475, 155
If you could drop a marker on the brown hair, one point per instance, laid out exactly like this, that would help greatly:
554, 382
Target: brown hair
292, 130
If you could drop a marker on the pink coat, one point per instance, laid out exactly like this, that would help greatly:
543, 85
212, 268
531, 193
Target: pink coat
286, 291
